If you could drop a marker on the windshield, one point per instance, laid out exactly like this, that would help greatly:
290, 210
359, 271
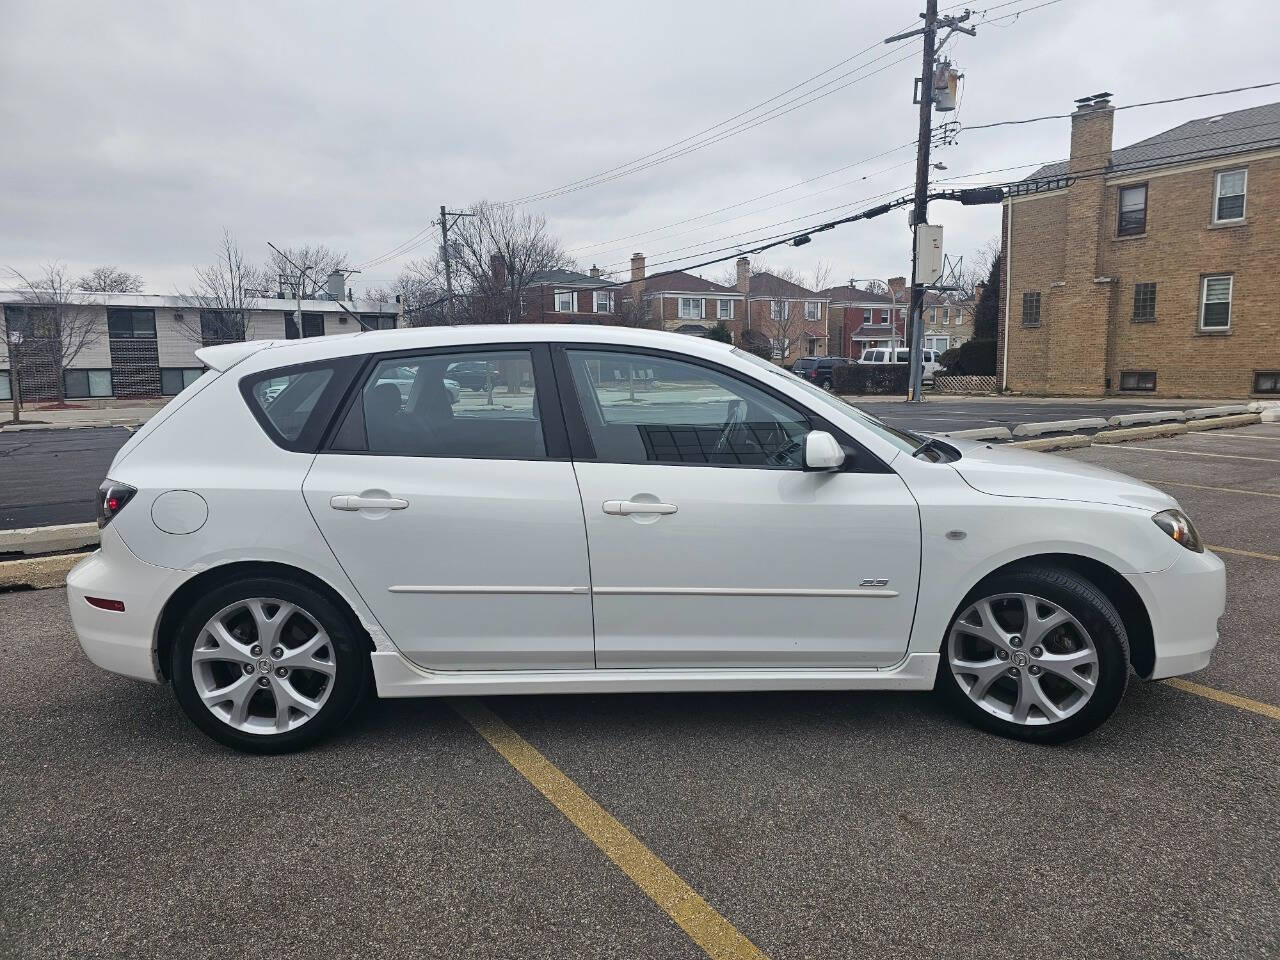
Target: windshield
904, 440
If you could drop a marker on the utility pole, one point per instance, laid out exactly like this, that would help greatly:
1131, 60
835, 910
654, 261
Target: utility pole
920, 208
444, 255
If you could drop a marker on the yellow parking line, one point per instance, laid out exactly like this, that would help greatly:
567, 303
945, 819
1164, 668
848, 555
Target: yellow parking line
1221, 696
1243, 553
1185, 453
1205, 486
710, 931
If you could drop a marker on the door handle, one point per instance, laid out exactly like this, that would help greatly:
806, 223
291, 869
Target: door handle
351, 501
625, 508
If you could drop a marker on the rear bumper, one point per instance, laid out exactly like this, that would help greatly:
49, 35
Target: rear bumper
122, 642
1184, 603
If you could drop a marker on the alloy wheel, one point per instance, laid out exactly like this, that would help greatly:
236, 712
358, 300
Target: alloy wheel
1023, 659
263, 665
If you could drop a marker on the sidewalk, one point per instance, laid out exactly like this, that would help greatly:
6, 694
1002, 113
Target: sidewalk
80, 418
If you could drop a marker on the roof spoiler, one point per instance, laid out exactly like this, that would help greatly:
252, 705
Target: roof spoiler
224, 356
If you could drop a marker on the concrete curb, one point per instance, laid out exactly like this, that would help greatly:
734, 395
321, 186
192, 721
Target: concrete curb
1215, 423
979, 433
1067, 442
37, 573
1140, 433
1152, 416
53, 539
1059, 426
132, 423
1199, 413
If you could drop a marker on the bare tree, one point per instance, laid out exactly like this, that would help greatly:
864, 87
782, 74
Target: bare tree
54, 323
634, 311
493, 254
110, 279
314, 264
420, 288
821, 275
878, 287
786, 311
219, 299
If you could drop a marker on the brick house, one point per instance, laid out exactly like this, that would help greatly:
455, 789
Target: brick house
793, 317
685, 303
860, 320
948, 318
566, 296
145, 343
1151, 269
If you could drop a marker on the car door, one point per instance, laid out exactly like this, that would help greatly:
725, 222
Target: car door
458, 519
711, 546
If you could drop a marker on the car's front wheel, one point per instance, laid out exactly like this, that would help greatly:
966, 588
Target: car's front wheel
1038, 654
267, 665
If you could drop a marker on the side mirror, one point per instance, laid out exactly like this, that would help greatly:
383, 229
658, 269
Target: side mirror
821, 451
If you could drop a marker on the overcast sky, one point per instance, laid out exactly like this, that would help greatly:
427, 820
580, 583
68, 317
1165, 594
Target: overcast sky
132, 133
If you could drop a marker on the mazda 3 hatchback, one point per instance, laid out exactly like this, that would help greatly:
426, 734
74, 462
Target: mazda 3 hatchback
618, 510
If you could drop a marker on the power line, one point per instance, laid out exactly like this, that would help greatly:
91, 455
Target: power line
1127, 106
763, 196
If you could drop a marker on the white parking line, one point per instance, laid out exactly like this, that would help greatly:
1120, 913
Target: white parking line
1185, 453
1233, 436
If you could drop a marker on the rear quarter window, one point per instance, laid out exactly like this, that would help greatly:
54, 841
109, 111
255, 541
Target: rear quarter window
294, 405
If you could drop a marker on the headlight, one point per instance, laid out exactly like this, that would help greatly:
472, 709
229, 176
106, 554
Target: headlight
1179, 526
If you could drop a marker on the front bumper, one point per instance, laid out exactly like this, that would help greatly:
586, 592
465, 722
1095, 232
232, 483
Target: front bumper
122, 642
1184, 602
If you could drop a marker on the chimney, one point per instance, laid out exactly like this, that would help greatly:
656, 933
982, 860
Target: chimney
637, 274
335, 285
595, 271
897, 285
498, 270
744, 276
977, 291
1091, 133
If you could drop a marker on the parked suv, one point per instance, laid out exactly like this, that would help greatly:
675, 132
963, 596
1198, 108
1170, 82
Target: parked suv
819, 370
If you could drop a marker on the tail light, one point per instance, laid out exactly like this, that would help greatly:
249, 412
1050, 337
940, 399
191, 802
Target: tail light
112, 498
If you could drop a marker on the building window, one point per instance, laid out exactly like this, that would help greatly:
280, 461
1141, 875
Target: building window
1215, 303
86, 383
1263, 382
1031, 309
216, 325
946, 316
724, 309
1133, 211
377, 321
959, 316
1137, 380
565, 301
690, 308
604, 301
312, 326
1228, 195
127, 324
811, 310
173, 380
5, 388
1144, 302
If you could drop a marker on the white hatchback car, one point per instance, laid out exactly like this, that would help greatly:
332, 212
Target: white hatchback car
630, 510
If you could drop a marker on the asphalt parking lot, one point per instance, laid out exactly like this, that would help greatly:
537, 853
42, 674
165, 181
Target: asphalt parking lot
804, 825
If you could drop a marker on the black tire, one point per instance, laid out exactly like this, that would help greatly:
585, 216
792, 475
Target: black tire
1081, 599
349, 652
826, 384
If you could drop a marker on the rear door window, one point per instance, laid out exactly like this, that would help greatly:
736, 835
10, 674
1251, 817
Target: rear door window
473, 404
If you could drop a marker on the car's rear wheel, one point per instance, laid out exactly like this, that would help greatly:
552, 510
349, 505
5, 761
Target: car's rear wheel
1038, 654
267, 665
826, 384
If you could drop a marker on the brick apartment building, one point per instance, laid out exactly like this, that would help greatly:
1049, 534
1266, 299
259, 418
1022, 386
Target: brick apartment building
1151, 269
143, 345
948, 319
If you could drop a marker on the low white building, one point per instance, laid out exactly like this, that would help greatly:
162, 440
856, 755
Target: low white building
143, 344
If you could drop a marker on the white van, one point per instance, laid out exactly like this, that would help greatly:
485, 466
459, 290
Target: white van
902, 355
